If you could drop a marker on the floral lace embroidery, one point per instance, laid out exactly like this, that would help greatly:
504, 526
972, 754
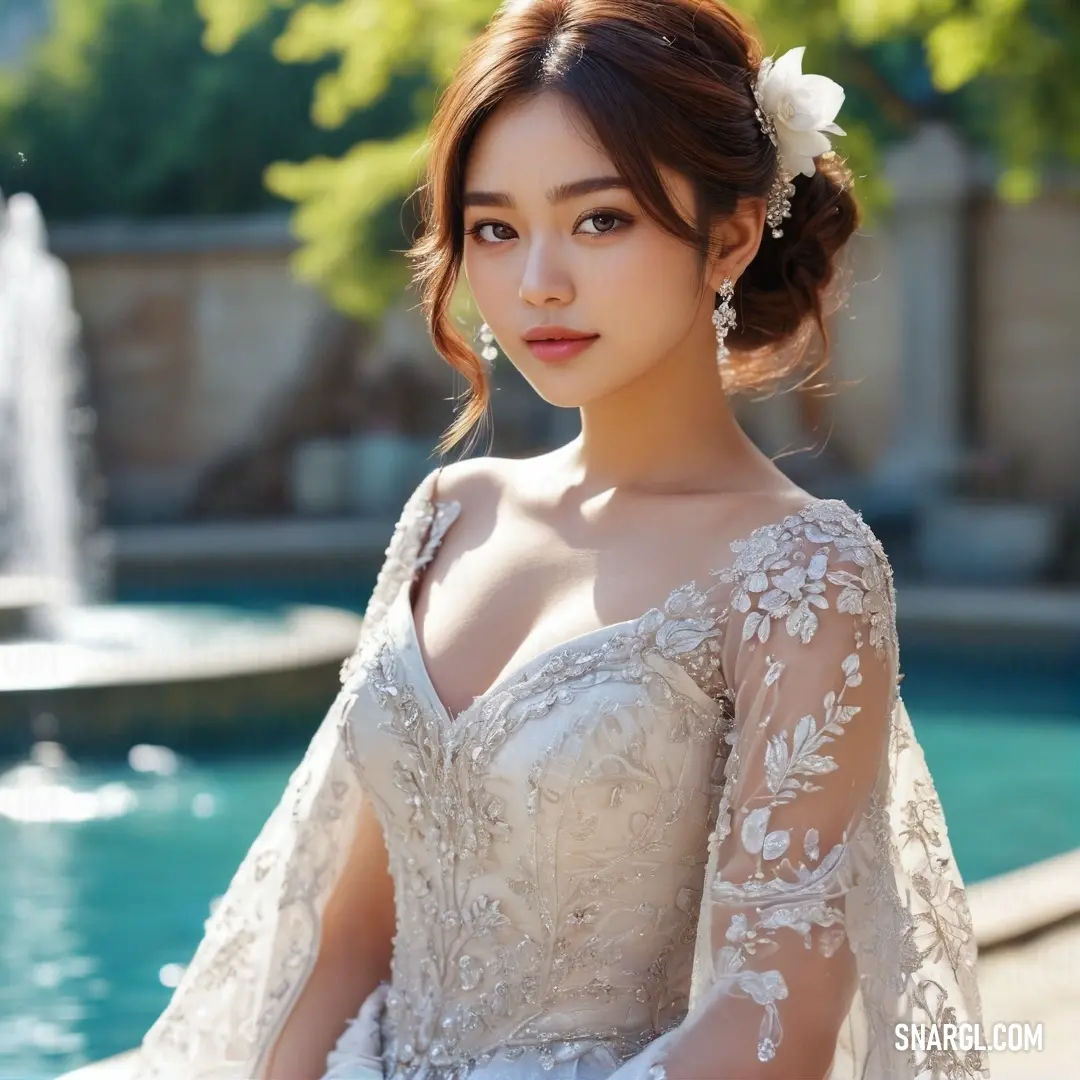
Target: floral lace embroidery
912, 939
423, 523
483, 978
260, 941
781, 575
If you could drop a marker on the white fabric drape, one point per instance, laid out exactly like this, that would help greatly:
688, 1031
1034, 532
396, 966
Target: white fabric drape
832, 908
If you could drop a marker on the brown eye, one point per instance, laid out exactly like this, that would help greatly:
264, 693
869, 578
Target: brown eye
477, 232
605, 223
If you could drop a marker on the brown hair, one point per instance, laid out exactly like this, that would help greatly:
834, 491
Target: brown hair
660, 82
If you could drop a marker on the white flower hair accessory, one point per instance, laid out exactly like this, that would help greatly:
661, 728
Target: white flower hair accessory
794, 111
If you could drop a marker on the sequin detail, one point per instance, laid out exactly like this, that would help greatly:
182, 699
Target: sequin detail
637, 826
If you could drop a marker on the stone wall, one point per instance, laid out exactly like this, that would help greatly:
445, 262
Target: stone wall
190, 329
859, 403
200, 341
1027, 305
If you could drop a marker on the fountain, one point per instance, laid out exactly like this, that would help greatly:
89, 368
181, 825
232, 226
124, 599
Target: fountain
75, 669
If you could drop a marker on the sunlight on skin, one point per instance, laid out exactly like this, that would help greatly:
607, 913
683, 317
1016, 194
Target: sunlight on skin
653, 405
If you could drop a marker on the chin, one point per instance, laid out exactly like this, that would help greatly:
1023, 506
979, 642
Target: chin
565, 389
574, 383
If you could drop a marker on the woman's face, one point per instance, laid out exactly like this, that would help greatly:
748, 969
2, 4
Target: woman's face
586, 260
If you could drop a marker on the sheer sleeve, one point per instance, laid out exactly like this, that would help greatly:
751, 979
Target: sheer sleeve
818, 931
261, 939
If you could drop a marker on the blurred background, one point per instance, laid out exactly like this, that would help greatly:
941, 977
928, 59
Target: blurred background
216, 393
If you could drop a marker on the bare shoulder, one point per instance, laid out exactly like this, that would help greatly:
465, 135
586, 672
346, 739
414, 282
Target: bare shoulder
481, 484
741, 515
792, 507
477, 482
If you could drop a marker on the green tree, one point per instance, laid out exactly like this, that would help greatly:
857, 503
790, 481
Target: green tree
349, 207
120, 110
326, 102
1005, 72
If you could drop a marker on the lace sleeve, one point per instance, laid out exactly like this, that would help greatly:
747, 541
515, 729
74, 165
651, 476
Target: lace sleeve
811, 943
261, 940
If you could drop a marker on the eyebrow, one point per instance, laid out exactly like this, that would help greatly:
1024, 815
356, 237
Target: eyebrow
558, 194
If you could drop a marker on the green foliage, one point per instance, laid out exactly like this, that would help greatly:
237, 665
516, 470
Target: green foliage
122, 111
1009, 72
345, 207
1004, 71
346, 204
154, 108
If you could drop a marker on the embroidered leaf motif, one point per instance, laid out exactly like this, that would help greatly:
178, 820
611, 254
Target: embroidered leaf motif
775, 844
754, 827
802, 623
776, 762
776, 668
775, 600
816, 765
757, 582
805, 730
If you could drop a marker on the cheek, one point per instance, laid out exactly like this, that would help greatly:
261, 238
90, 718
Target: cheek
483, 277
642, 291
652, 291
493, 283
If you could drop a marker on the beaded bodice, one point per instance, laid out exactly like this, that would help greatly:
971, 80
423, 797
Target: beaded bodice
704, 837
548, 845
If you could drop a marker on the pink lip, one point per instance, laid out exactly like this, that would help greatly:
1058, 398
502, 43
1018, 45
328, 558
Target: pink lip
555, 349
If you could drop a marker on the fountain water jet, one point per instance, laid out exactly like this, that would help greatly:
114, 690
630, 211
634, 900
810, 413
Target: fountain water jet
96, 676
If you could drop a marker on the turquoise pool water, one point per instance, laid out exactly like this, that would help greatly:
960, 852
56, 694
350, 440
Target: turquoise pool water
96, 906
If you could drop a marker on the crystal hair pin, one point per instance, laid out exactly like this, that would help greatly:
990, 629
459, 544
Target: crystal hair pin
794, 111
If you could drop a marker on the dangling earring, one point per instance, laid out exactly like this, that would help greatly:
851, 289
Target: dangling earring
723, 318
487, 338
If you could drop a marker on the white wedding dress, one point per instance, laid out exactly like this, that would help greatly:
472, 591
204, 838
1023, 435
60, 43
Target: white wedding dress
702, 843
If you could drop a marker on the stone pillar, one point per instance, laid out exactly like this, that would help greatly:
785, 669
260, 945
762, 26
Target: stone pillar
931, 177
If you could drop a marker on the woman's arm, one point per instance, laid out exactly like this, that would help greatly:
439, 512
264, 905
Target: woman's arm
354, 956
311, 902
811, 659
358, 923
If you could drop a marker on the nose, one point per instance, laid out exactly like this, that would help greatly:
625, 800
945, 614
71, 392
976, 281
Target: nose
544, 280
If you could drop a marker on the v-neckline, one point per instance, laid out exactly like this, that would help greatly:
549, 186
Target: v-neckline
513, 674
520, 670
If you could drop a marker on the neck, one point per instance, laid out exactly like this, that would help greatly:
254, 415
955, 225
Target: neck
670, 431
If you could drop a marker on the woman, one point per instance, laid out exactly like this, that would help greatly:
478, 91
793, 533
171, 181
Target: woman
686, 830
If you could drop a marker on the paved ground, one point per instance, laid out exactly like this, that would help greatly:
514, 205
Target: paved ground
1036, 981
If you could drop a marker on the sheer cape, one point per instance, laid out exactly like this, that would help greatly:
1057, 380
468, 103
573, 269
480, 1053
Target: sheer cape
829, 911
